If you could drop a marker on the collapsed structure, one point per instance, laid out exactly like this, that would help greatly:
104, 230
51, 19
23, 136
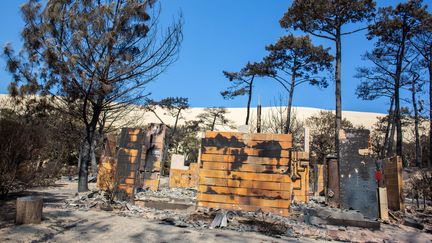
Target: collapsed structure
136, 162
253, 172
237, 171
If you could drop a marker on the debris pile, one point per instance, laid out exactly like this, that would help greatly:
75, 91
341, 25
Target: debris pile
415, 218
312, 220
176, 194
264, 223
100, 200
339, 217
288, 227
245, 188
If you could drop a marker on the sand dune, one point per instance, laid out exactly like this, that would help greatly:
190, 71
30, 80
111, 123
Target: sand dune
237, 115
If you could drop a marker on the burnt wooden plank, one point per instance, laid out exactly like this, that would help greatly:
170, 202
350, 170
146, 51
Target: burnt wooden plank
208, 165
277, 186
244, 200
128, 152
220, 190
245, 175
268, 153
243, 159
130, 138
374, 225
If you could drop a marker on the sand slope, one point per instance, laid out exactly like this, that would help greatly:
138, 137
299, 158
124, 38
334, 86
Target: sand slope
139, 117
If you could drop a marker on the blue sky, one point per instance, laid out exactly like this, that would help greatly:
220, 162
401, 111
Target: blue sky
225, 35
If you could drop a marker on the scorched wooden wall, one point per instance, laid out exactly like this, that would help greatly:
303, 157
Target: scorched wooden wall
246, 172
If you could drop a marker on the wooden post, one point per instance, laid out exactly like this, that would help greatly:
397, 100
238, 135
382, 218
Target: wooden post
259, 117
333, 187
319, 179
382, 203
394, 183
29, 210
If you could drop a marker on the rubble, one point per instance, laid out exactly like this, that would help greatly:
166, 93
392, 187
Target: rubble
252, 185
219, 221
175, 194
340, 217
412, 223
100, 200
267, 223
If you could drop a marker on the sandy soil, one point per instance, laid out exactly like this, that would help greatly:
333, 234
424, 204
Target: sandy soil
67, 225
62, 224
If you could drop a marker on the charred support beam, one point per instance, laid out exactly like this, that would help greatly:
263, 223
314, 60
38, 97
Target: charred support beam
333, 187
259, 118
394, 183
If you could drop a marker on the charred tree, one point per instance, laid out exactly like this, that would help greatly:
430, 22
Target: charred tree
393, 29
91, 57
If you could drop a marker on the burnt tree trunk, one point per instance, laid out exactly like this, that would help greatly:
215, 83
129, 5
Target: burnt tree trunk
213, 123
168, 141
83, 168
249, 99
94, 165
390, 145
430, 107
416, 125
338, 94
399, 62
290, 98
176, 122
398, 122
86, 152
387, 132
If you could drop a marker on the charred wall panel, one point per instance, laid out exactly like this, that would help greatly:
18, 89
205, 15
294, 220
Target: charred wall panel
249, 172
357, 173
152, 156
128, 158
300, 176
139, 160
107, 164
184, 178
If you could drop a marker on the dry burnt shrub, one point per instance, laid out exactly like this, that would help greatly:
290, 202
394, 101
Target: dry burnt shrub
61, 148
37, 143
20, 146
419, 187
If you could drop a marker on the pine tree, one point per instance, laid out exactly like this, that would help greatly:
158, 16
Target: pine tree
91, 56
294, 61
326, 19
